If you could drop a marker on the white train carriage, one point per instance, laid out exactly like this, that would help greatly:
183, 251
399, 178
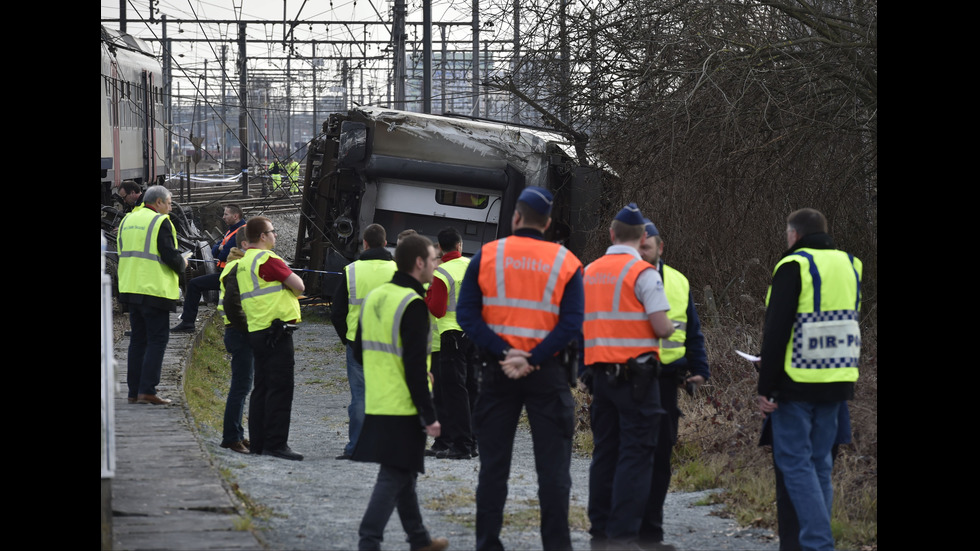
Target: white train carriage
132, 94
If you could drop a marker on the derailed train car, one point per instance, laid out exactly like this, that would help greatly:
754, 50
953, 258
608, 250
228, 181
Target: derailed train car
408, 170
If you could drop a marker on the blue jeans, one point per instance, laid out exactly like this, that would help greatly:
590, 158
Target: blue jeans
355, 411
242, 362
803, 435
150, 333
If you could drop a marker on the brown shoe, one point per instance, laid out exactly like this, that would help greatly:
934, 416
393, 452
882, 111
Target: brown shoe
438, 544
152, 399
131, 400
239, 447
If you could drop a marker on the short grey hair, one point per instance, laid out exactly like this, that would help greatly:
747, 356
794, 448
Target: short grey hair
154, 194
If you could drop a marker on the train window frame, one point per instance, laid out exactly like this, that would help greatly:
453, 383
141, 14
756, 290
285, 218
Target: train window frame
441, 193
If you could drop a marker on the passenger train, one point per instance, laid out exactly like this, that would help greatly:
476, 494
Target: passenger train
132, 93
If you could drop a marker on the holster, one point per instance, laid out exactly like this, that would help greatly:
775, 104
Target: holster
276, 331
641, 376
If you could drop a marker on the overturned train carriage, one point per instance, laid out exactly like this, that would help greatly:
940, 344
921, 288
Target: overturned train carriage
413, 171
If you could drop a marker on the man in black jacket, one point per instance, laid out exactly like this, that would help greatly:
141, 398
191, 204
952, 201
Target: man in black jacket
398, 407
810, 350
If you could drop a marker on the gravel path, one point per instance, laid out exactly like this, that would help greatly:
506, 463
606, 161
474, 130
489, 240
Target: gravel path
317, 503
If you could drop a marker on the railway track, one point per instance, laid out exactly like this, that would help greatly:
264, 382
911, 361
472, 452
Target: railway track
261, 199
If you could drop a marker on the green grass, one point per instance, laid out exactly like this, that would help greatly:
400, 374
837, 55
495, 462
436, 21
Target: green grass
208, 375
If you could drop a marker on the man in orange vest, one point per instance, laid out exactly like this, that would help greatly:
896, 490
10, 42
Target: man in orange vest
521, 303
233, 217
625, 315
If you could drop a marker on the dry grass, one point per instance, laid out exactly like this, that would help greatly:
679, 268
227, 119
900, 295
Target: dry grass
719, 437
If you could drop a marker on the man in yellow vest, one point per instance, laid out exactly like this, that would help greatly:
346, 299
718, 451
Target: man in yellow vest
374, 268
268, 293
684, 362
292, 169
149, 264
236, 343
392, 340
811, 346
275, 174
454, 368
625, 316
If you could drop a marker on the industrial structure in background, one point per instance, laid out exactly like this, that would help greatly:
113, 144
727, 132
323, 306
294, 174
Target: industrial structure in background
408, 170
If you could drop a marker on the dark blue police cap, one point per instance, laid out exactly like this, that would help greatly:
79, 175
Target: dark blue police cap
538, 199
630, 215
651, 229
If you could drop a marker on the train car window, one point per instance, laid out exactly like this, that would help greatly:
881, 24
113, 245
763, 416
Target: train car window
461, 199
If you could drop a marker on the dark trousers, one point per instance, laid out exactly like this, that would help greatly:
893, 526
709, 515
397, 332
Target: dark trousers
195, 289
442, 442
550, 410
652, 524
242, 362
394, 489
625, 432
454, 365
150, 334
272, 397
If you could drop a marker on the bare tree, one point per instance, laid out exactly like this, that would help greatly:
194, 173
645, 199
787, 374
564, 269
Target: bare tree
721, 116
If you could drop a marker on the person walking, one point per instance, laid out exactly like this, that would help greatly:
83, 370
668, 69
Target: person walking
392, 343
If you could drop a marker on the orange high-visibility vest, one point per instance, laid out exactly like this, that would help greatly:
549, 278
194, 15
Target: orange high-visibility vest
228, 235
616, 326
523, 280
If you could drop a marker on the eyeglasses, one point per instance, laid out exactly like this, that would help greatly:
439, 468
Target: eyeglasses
273, 232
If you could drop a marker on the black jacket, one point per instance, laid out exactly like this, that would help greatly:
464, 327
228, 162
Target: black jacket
340, 302
399, 440
780, 318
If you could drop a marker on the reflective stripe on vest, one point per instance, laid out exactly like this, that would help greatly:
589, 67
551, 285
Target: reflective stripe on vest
825, 346
385, 389
451, 274
264, 301
363, 276
141, 270
228, 235
616, 326
522, 280
678, 291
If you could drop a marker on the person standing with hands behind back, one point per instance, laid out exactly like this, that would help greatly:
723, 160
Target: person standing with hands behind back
521, 303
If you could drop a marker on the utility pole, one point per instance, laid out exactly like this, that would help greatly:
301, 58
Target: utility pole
442, 73
476, 59
224, 132
243, 107
168, 119
515, 63
427, 56
398, 36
